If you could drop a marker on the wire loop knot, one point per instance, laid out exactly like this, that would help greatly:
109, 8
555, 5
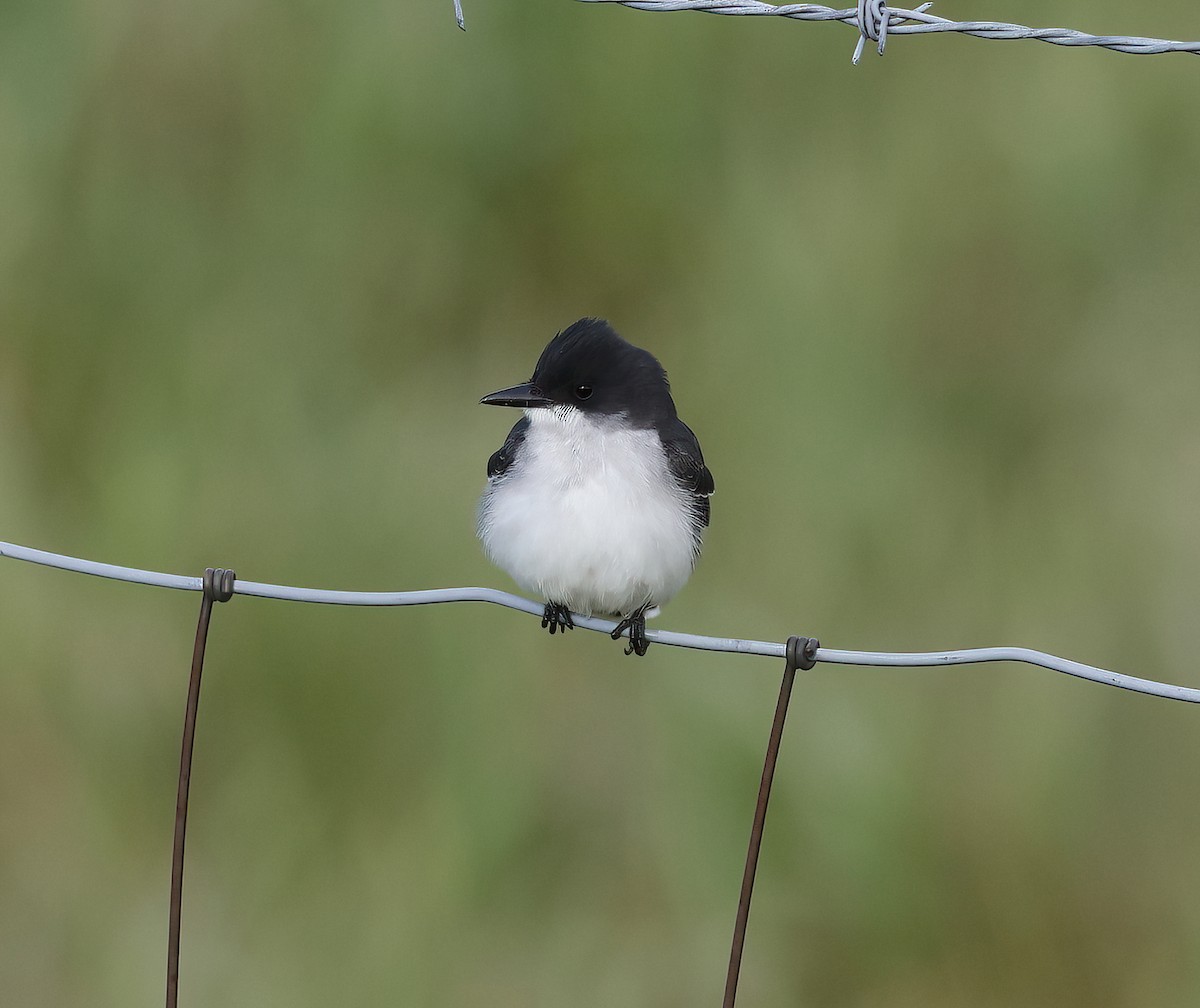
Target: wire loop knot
218, 583
801, 652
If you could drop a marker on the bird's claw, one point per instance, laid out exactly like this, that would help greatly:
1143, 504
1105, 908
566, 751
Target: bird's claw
635, 623
557, 617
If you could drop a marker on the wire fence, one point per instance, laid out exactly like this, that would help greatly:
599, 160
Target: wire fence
700, 642
875, 21
220, 585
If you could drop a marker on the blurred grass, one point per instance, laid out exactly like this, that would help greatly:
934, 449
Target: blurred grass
934, 319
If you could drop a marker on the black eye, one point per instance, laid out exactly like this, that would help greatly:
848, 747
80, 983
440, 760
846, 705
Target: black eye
583, 391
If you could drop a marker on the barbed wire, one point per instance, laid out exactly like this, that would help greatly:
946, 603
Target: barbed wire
771, 649
875, 21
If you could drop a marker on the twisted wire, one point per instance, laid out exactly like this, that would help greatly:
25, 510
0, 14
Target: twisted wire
875, 21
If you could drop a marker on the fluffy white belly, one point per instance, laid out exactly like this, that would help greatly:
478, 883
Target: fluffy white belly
590, 516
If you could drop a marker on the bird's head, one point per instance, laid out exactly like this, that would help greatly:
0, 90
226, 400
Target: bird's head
589, 368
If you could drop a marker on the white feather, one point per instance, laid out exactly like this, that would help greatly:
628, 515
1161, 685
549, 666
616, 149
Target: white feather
589, 515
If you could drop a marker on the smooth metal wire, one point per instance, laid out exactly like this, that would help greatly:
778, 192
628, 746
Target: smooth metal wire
969, 656
875, 22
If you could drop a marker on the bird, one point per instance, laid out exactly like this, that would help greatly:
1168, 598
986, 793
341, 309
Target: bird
599, 497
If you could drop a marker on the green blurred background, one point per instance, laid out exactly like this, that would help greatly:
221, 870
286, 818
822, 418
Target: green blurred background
935, 322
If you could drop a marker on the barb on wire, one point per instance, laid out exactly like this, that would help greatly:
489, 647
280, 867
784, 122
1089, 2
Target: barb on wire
771, 649
874, 20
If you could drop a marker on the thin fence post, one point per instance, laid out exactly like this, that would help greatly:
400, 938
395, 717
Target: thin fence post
801, 653
218, 587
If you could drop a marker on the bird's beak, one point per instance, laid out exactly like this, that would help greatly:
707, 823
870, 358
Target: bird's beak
522, 396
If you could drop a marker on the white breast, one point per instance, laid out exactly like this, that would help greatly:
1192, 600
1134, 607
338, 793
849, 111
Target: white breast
590, 516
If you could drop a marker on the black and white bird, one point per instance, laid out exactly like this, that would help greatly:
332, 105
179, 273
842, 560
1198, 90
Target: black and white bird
598, 499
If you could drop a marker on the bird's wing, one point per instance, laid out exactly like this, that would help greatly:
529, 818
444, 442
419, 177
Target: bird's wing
686, 463
500, 461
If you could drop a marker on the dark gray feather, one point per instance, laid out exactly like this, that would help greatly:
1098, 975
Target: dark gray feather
500, 461
686, 463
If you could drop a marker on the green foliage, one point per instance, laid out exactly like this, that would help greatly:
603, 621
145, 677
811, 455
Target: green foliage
935, 322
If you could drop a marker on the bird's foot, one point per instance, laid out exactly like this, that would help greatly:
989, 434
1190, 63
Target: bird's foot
635, 623
557, 616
